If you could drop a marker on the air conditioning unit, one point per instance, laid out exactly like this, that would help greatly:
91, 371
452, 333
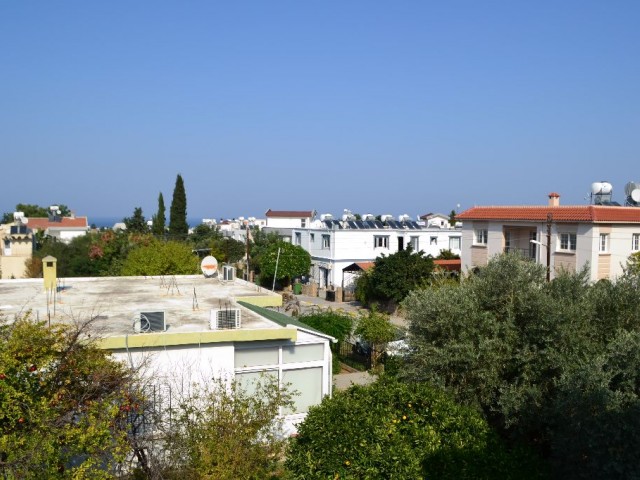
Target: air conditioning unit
228, 273
225, 319
149, 322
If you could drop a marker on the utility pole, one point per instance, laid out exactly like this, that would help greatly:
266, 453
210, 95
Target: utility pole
273, 288
247, 235
549, 221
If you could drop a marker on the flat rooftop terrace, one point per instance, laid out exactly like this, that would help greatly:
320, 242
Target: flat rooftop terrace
116, 301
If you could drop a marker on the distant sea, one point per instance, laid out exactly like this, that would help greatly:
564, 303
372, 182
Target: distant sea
108, 222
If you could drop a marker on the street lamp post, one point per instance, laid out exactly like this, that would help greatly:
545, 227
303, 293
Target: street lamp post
548, 245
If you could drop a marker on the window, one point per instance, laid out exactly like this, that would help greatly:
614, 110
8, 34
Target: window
308, 383
604, 242
7, 246
381, 241
415, 244
433, 240
326, 241
481, 236
252, 357
303, 222
635, 242
454, 243
298, 238
568, 241
312, 237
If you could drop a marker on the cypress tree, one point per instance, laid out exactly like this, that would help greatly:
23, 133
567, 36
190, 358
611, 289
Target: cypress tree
136, 223
159, 219
178, 226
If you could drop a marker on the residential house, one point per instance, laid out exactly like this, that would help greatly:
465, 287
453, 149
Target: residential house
598, 237
63, 229
335, 245
17, 249
283, 221
435, 220
187, 330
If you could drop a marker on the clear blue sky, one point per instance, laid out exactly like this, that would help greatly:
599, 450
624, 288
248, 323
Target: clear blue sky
377, 106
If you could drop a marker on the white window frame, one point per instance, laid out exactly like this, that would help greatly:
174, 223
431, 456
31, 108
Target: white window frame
281, 367
603, 244
635, 242
312, 237
433, 240
567, 242
326, 241
303, 222
381, 241
481, 236
298, 238
457, 241
414, 241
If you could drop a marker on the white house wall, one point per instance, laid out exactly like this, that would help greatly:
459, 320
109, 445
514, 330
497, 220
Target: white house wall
347, 246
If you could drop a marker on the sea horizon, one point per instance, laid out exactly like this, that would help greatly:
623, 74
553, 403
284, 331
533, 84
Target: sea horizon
109, 221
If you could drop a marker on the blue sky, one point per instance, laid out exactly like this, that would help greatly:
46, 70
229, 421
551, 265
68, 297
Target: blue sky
379, 107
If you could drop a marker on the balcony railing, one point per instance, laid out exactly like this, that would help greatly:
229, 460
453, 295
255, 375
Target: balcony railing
529, 253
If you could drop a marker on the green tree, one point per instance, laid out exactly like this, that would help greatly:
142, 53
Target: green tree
447, 255
375, 329
227, 250
35, 211
59, 403
546, 362
136, 223
394, 276
159, 219
178, 226
452, 218
203, 235
228, 432
394, 430
161, 258
338, 325
261, 243
293, 261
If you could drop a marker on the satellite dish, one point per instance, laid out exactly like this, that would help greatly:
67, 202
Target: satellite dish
630, 187
635, 195
209, 266
24, 220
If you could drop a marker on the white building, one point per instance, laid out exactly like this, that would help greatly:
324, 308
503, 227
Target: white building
187, 330
600, 237
334, 244
289, 218
63, 229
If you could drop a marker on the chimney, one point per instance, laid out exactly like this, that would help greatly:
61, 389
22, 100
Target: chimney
554, 199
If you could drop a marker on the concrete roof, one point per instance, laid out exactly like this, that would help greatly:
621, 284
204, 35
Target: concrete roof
115, 301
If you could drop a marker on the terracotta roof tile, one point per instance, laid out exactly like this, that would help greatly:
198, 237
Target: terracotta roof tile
453, 265
577, 213
42, 223
290, 213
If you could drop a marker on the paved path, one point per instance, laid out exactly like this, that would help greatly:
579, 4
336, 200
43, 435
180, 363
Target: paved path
343, 381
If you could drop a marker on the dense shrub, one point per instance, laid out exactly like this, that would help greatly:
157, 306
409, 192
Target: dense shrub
394, 430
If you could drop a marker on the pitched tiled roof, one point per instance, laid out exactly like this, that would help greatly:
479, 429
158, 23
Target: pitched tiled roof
290, 213
42, 223
577, 213
453, 265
